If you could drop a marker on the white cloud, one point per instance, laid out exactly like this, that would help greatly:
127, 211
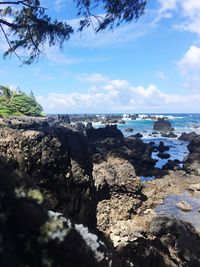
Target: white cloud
166, 8
189, 66
188, 12
191, 60
92, 78
119, 96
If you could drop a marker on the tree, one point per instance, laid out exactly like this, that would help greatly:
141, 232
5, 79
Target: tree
18, 103
25, 105
26, 25
6, 92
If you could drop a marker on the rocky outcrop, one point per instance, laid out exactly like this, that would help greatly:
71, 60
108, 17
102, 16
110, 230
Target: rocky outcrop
187, 136
109, 141
162, 125
58, 160
32, 236
172, 165
129, 130
138, 135
169, 135
192, 162
110, 131
159, 241
116, 184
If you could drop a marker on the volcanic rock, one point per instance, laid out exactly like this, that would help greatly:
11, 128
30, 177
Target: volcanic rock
32, 236
187, 136
162, 125
58, 161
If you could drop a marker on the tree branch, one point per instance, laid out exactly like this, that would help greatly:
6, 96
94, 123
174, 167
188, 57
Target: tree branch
18, 3
12, 25
8, 41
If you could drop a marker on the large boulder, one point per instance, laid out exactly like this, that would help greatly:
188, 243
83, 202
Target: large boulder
162, 125
109, 141
166, 242
116, 183
110, 131
58, 160
192, 162
187, 136
32, 236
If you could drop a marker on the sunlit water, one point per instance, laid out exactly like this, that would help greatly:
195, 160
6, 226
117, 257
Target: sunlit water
169, 208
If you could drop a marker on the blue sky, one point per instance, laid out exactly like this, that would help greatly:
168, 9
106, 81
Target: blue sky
151, 66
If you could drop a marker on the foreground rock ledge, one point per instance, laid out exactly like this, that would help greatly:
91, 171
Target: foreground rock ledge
58, 161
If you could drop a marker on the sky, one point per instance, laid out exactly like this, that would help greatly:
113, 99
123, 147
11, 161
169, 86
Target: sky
151, 66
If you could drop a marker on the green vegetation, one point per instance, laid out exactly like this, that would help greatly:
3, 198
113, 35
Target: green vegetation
18, 103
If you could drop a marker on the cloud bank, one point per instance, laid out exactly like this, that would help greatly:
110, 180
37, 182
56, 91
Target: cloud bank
120, 96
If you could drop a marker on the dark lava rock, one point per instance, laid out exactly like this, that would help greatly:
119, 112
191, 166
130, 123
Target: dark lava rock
88, 125
162, 148
154, 133
180, 238
169, 135
172, 165
163, 155
187, 136
129, 130
110, 131
192, 162
64, 118
79, 126
121, 122
162, 126
58, 160
32, 236
138, 135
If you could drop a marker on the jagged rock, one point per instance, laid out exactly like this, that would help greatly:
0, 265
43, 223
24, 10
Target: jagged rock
162, 148
88, 125
138, 135
187, 136
121, 122
132, 149
58, 160
129, 130
163, 155
116, 183
192, 161
79, 126
110, 131
172, 165
162, 125
179, 238
169, 135
32, 236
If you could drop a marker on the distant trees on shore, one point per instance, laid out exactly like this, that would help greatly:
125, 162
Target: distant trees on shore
16, 102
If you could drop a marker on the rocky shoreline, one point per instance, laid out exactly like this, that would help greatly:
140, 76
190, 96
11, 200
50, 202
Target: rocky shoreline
92, 177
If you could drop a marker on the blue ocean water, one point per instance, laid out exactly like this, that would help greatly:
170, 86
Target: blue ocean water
180, 122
